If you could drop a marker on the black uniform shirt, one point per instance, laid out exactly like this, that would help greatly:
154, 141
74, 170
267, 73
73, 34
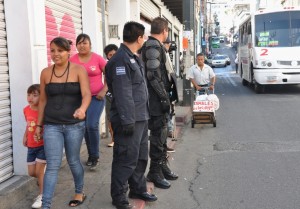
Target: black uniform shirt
126, 81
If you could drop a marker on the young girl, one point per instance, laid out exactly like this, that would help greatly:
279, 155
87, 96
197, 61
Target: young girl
36, 159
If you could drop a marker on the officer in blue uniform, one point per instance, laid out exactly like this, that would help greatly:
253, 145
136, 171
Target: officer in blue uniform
129, 116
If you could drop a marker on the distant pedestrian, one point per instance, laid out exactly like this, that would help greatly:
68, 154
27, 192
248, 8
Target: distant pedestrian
64, 99
94, 65
129, 117
36, 159
236, 61
109, 51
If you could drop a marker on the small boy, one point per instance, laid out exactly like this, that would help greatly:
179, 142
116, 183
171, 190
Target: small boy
36, 159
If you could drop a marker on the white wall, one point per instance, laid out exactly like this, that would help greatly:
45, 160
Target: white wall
135, 10
91, 24
26, 40
118, 14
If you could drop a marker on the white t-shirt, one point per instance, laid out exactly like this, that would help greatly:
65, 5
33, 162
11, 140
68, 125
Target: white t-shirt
202, 77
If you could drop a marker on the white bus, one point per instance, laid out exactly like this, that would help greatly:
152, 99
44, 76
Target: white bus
269, 48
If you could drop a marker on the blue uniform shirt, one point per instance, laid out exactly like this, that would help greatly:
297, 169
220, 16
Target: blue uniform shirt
126, 81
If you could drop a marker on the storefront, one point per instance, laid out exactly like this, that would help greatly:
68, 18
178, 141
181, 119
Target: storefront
6, 152
63, 18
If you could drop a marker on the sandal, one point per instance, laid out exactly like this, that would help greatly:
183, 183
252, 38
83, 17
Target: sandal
75, 203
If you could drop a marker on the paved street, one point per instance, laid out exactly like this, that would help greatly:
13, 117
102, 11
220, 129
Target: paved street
249, 161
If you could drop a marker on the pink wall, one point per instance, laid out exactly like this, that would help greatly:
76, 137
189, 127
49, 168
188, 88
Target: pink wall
66, 29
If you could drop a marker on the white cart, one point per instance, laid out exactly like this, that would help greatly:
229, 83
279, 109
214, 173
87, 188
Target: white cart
203, 111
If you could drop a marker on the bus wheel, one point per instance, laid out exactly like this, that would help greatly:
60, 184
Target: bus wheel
258, 88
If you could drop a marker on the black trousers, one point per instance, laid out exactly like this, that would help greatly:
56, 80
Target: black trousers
130, 157
158, 137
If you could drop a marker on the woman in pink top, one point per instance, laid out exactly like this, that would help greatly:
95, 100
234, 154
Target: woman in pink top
95, 66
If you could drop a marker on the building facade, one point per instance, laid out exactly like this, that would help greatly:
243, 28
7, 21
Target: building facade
28, 26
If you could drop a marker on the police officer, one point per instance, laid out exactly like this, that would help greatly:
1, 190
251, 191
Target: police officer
129, 117
159, 86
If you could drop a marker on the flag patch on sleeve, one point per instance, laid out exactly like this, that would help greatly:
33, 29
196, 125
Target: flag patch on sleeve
120, 70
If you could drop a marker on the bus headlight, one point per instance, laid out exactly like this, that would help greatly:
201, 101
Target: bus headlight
266, 63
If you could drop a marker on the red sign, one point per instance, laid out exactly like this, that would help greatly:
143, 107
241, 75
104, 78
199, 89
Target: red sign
203, 106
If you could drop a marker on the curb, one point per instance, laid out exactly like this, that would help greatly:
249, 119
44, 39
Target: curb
183, 117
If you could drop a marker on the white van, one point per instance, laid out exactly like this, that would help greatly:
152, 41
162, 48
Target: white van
222, 39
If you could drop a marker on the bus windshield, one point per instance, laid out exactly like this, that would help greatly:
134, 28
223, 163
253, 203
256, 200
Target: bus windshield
279, 29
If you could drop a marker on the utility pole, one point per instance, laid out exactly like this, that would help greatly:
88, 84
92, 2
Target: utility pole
188, 24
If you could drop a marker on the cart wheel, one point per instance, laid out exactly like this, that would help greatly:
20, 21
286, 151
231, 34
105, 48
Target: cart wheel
192, 123
214, 121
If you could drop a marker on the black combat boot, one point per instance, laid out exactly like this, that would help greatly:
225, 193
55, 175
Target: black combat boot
156, 176
168, 174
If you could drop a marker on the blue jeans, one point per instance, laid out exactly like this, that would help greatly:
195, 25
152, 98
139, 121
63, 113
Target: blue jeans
57, 137
92, 135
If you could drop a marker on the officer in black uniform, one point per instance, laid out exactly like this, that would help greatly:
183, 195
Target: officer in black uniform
159, 87
129, 116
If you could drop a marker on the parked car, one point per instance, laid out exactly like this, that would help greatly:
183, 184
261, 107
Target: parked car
222, 39
219, 61
208, 59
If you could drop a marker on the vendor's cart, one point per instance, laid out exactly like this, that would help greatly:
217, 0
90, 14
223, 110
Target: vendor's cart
203, 109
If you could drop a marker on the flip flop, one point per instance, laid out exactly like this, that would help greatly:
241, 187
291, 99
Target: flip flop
75, 203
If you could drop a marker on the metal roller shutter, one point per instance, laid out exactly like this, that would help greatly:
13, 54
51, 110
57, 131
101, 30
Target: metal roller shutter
149, 9
63, 18
6, 159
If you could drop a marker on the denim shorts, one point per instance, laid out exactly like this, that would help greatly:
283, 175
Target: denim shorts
36, 154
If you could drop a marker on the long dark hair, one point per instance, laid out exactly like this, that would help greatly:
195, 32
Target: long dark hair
83, 37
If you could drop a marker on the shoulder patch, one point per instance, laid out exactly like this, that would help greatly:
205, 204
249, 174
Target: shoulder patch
120, 70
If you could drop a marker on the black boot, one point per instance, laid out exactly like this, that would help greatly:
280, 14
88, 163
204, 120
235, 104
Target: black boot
156, 176
168, 174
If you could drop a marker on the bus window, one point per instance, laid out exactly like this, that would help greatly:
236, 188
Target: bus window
272, 29
245, 35
249, 28
295, 28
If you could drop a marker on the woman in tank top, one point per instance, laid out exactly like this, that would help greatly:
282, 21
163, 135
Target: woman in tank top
64, 99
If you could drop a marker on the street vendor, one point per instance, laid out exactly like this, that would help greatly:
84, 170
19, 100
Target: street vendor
201, 75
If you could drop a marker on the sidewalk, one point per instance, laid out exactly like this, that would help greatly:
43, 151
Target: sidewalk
20, 195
